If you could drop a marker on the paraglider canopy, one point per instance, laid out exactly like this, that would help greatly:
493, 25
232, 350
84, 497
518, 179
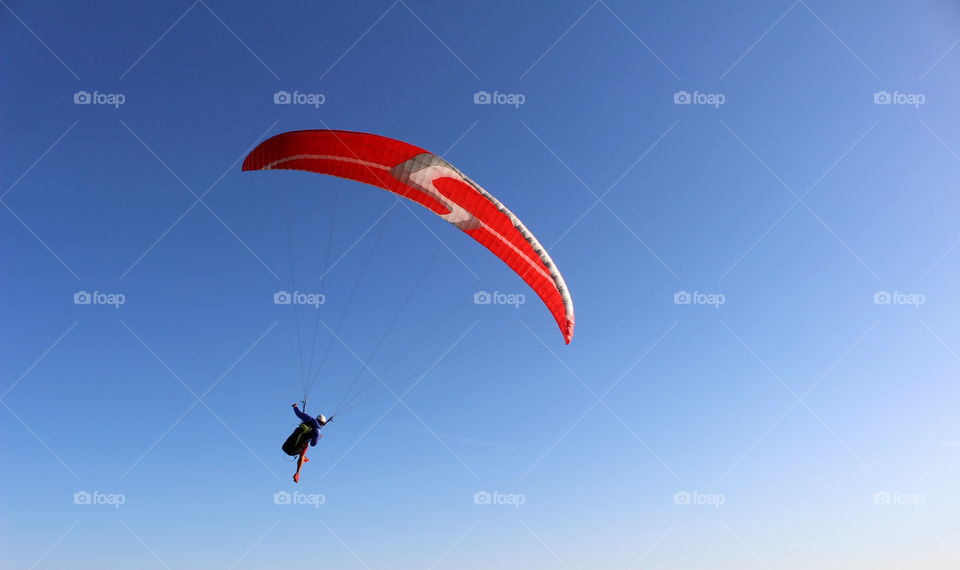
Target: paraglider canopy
431, 181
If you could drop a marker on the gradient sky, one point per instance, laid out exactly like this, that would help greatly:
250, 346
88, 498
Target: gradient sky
810, 416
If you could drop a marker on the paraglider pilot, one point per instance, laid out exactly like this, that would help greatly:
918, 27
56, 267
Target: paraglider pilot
306, 435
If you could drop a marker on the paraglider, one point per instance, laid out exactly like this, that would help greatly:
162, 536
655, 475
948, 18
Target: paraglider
306, 435
425, 178
429, 180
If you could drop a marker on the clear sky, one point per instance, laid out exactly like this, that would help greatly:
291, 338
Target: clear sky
788, 168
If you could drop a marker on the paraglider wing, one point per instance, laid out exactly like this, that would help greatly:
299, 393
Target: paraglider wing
431, 181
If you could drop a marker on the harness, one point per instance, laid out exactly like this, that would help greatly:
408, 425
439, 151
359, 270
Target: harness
297, 440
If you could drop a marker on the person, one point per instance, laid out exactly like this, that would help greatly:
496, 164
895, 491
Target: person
308, 434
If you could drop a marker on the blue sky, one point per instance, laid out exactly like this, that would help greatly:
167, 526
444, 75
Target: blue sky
791, 166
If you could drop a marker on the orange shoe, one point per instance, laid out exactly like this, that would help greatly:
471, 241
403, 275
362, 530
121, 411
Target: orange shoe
296, 477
